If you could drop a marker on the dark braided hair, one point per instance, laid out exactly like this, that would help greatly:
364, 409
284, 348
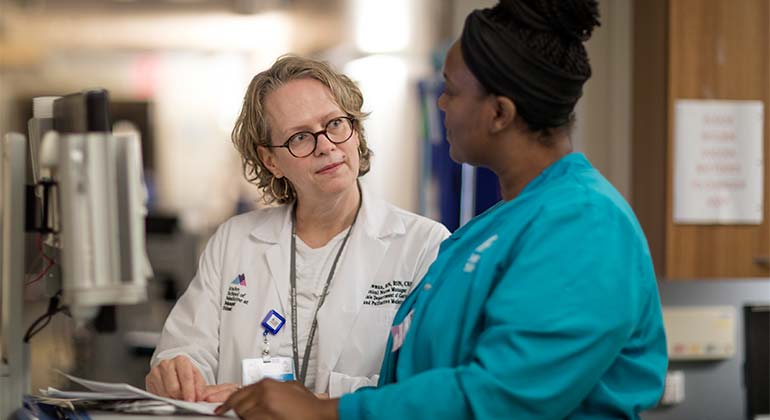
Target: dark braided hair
570, 23
554, 29
572, 18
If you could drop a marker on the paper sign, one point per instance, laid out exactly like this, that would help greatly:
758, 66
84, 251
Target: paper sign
718, 162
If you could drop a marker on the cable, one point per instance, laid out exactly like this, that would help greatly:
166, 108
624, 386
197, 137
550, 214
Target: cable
41, 253
40, 276
42, 321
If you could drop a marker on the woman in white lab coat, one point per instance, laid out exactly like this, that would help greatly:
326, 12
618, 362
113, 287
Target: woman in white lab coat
302, 142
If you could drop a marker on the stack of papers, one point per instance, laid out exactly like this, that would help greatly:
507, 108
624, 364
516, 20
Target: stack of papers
102, 391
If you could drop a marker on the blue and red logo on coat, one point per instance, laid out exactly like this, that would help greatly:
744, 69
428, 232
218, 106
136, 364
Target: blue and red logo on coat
235, 294
240, 280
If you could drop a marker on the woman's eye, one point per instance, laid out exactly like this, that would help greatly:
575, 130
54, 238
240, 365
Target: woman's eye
334, 123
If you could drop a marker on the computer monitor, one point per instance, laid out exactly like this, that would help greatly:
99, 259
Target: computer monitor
83, 112
757, 365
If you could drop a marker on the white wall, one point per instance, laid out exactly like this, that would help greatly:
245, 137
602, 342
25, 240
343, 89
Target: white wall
461, 9
603, 129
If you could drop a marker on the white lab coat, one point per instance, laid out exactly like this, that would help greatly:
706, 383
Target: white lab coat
388, 245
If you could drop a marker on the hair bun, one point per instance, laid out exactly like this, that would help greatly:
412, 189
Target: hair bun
569, 18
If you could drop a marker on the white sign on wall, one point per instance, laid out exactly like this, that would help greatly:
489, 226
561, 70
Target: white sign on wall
718, 165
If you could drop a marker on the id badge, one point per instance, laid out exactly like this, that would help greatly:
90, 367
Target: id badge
278, 368
399, 331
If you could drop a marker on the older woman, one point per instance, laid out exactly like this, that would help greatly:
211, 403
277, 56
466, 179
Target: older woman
332, 261
545, 306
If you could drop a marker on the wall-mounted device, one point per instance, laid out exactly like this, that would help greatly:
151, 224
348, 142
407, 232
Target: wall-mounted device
700, 332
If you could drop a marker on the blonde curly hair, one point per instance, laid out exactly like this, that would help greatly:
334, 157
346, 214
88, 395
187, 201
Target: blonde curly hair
252, 130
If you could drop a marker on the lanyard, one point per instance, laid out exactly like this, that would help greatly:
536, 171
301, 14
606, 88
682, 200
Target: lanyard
293, 277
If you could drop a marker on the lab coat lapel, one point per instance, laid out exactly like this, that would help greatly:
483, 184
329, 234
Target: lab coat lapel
365, 253
275, 229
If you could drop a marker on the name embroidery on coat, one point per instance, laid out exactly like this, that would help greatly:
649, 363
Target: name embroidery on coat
234, 294
470, 265
391, 292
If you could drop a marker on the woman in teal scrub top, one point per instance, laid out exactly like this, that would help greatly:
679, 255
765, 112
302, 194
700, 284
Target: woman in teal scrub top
543, 307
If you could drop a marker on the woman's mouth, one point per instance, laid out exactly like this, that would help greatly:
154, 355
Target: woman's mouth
329, 168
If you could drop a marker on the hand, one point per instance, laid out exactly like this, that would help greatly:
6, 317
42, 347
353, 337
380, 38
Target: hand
217, 393
270, 399
176, 378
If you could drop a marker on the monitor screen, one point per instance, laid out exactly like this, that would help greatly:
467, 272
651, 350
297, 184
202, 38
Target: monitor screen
757, 323
83, 112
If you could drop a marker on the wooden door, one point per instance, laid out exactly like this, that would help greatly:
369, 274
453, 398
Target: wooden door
717, 49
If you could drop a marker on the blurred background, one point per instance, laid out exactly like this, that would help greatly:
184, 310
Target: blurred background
177, 71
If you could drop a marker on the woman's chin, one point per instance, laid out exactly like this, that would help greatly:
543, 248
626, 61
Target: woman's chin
336, 185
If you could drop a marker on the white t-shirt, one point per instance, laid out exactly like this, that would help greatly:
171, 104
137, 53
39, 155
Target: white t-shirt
313, 266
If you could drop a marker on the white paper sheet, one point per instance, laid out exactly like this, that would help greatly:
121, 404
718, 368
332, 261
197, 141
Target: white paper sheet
88, 395
107, 390
718, 162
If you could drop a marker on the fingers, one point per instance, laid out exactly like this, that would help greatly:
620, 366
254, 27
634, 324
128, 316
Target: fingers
224, 407
218, 397
242, 400
254, 412
149, 383
277, 400
298, 386
218, 393
176, 378
170, 379
244, 396
154, 383
186, 374
199, 383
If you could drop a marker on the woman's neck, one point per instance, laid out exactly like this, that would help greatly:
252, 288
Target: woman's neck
319, 220
517, 167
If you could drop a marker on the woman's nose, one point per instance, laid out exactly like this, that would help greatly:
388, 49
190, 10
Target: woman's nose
323, 145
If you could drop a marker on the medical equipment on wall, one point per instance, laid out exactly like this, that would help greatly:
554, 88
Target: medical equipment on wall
88, 200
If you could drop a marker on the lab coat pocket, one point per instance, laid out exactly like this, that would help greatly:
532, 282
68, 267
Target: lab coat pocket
372, 316
385, 317
341, 384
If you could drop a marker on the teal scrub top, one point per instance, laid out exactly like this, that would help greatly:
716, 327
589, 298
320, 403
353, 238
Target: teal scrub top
543, 307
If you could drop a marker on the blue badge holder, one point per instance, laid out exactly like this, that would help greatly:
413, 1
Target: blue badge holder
273, 322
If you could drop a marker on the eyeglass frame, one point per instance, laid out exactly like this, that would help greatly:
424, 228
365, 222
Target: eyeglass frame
315, 135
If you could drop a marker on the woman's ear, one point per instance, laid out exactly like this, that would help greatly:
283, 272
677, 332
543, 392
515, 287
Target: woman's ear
268, 159
505, 113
